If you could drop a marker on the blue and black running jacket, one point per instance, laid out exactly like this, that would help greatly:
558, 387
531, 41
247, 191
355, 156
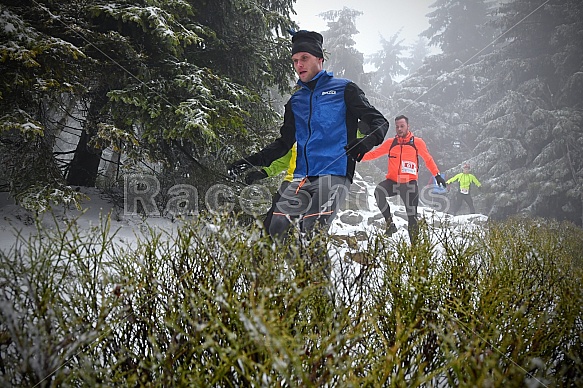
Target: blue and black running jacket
322, 117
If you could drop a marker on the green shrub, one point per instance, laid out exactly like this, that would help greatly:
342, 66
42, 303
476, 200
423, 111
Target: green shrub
55, 302
499, 305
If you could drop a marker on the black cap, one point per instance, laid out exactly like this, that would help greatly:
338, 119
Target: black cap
309, 42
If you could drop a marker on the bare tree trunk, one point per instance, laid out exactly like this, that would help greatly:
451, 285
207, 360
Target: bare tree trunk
85, 164
112, 170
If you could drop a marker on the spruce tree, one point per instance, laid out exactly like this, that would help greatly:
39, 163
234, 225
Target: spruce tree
459, 27
344, 59
389, 62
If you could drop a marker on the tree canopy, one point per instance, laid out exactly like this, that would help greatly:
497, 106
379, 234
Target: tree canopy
137, 77
459, 27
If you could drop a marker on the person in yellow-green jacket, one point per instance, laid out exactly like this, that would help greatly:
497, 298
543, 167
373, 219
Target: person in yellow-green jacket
465, 179
288, 161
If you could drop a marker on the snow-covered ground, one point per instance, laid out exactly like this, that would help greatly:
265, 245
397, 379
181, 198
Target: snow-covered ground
363, 221
372, 222
126, 228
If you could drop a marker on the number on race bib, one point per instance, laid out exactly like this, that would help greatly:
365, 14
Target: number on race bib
408, 167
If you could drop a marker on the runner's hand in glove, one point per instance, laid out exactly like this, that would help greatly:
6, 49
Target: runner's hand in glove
255, 176
440, 181
356, 148
237, 168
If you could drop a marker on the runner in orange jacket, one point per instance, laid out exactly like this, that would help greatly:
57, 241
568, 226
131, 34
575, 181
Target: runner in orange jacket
403, 166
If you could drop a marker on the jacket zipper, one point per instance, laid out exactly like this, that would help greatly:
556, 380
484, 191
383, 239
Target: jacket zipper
309, 131
399, 168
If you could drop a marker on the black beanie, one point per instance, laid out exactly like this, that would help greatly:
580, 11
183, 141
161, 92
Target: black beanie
309, 42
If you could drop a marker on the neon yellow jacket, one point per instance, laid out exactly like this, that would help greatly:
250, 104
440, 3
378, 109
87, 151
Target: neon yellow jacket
287, 161
465, 180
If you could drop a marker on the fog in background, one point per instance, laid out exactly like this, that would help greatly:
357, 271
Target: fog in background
384, 18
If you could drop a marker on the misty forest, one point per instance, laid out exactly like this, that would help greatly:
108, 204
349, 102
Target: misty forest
92, 92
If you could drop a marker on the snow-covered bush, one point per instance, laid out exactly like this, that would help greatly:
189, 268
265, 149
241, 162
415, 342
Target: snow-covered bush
216, 304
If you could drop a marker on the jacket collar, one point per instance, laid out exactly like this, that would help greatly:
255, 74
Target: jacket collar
406, 139
314, 80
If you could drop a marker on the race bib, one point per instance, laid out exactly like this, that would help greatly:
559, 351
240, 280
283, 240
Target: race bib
465, 190
408, 167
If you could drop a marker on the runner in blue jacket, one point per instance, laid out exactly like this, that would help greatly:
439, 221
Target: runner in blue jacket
322, 118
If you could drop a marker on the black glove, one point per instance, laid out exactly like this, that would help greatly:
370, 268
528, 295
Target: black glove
356, 148
255, 176
237, 168
440, 181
